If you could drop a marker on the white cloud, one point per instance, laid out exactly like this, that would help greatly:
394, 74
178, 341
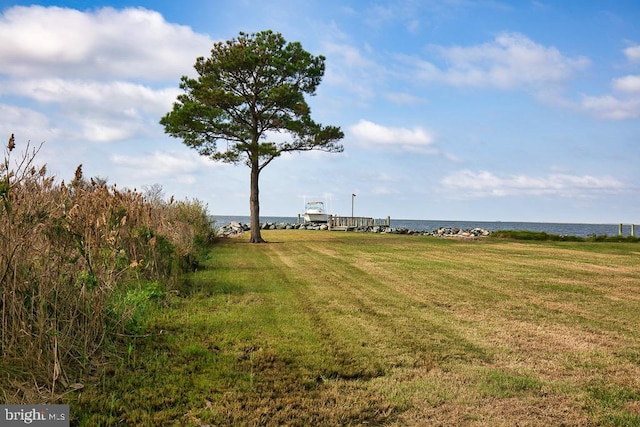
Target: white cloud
369, 134
633, 53
26, 124
93, 73
467, 184
350, 57
510, 61
611, 107
121, 98
513, 61
104, 43
349, 69
623, 105
98, 111
159, 164
97, 94
627, 84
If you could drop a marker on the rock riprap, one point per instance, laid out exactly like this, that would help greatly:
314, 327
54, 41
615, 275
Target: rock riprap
235, 228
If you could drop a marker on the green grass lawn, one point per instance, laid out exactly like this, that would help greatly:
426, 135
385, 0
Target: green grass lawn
333, 328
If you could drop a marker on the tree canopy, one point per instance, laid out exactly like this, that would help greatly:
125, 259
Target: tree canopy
248, 91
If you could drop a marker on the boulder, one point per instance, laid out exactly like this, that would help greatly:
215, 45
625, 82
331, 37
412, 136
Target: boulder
234, 228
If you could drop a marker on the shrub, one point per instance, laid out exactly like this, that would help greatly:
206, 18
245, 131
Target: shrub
534, 235
542, 236
72, 260
605, 238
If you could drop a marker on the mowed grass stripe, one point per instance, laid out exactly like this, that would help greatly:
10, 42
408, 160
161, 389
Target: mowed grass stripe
319, 328
527, 277
377, 313
515, 299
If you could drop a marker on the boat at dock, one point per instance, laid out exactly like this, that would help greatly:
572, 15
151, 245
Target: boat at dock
314, 211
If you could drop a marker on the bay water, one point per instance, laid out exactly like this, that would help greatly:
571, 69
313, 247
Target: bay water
564, 229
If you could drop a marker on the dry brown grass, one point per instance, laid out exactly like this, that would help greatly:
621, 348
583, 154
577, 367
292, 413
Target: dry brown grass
70, 256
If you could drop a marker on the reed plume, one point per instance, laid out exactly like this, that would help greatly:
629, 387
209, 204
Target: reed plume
68, 254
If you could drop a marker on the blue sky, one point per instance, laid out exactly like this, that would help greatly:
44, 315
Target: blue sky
451, 109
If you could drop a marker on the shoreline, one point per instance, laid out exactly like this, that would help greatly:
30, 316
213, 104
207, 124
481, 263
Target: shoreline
561, 229
235, 228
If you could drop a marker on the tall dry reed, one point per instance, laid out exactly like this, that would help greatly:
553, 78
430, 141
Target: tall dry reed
68, 252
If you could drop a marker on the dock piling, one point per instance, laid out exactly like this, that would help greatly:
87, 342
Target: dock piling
354, 222
632, 230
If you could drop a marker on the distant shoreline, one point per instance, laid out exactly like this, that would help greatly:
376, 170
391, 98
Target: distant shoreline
568, 229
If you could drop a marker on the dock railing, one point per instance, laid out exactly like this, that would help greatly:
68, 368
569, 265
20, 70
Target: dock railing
352, 222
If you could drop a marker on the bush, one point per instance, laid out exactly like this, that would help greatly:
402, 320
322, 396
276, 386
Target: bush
605, 238
542, 236
72, 260
534, 235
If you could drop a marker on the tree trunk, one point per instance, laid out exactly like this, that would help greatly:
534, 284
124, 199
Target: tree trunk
254, 201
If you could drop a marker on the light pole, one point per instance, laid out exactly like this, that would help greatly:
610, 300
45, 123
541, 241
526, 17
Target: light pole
353, 196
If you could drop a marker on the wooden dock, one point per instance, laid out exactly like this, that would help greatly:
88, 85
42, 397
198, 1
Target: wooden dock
345, 223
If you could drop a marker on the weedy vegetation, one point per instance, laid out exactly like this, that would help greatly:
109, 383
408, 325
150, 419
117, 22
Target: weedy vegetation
542, 236
333, 328
80, 266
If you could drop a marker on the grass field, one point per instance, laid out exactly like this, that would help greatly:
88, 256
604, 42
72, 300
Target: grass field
322, 328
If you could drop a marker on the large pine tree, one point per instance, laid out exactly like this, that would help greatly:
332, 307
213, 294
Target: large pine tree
248, 87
